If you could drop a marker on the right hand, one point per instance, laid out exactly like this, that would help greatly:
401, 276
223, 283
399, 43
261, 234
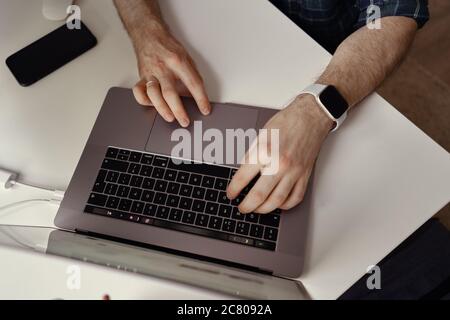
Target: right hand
163, 60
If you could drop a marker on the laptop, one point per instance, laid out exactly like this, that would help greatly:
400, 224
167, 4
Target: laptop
163, 270
128, 187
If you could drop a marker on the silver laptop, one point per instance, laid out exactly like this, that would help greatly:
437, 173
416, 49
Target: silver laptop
127, 187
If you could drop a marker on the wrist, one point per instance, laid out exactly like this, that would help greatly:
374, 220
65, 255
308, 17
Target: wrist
145, 30
311, 109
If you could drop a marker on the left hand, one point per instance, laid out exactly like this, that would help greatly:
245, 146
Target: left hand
303, 127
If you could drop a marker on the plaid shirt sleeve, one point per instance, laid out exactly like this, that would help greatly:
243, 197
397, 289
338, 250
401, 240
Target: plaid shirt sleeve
415, 9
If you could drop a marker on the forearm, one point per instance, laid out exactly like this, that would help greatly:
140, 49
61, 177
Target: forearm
140, 17
366, 57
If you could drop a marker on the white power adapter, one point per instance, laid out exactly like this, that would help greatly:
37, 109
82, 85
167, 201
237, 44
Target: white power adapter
7, 179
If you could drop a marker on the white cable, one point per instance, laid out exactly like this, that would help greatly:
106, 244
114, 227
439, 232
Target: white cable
22, 184
8, 179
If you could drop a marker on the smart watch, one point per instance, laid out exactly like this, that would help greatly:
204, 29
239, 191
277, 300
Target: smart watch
330, 100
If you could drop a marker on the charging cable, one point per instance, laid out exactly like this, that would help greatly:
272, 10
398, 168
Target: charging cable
8, 179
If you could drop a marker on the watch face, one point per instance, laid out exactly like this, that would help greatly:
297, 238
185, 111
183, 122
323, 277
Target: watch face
334, 102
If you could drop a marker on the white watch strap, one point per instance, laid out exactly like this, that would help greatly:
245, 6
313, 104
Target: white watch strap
316, 89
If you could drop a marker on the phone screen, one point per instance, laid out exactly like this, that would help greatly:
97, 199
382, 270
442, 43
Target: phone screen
49, 53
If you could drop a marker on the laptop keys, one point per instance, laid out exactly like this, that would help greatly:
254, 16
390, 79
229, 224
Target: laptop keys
99, 187
160, 161
125, 205
195, 179
150, 209
112, 153
225, 211
170, 175
272, 220
111, 189
229, 225
112, 176
243, 228
173, 188
147, 159
186, 190
256, 231
148, 183
124, 178
113, 202
175, 214
135, 156
270, 233
252, 217
134, 168
211, 195
221, 184
198, 193
162, 212
223, 198
153, 190
158, 173
116, 165
215, 223
208, 182
212, 208
147, 195
202, 220
161, 185
97, 199
136, 181
173, 201
123, 191
188, 217
137, 207
182, 177
146, 171
185, 203
160, 198
135, 194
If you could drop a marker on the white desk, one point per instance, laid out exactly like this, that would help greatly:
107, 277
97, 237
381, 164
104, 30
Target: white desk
377, 180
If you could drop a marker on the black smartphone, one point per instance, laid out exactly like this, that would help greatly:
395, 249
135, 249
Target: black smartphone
49, 53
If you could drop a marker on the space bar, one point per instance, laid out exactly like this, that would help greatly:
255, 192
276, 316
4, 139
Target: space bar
189, 229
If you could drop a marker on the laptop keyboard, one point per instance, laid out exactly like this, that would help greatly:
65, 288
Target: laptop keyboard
152, 189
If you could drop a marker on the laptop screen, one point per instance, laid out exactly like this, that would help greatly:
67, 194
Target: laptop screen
153, 263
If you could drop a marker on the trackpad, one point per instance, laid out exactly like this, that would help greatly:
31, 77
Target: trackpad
199, 133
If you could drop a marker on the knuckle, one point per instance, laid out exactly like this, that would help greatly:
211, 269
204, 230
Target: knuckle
175, 58
257, 196
285, 161
277, 199
167, 91
299, 197
285, 207
192, 82
266, 208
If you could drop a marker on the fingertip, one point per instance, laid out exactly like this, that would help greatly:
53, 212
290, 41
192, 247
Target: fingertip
184, 123
232, 190
207, 108
169, 118
140, 96
243, 210
231, 195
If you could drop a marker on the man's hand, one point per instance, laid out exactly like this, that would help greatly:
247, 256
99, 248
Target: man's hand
358, 66
163, 63
302, 128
